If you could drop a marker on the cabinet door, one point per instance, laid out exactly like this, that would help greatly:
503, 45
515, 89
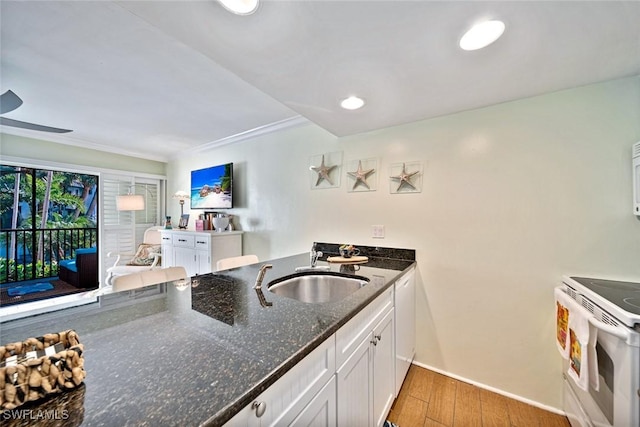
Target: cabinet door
203, 262
355, 386
167, 256
321, 411
383, 364
185, 257
359, 327
405, 326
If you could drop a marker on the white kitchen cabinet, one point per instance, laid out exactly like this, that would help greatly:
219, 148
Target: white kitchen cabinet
350, 335
184, 257
198, 252
352, 378
321, 411
383, 363
300, 395
366, 379
405, 326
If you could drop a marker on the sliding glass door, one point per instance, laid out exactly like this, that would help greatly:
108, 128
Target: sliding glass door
45, 215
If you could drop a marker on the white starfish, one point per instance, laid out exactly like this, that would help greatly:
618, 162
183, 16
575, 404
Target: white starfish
323, 172
405, 178
360, 176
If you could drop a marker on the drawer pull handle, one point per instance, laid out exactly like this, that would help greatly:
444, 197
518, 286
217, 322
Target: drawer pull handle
200, 241
181, 240
378, 337
260, 408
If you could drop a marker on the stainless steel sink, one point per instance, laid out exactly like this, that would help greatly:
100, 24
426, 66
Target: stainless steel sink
317, 287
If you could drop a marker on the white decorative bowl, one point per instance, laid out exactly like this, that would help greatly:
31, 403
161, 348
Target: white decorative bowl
220, 223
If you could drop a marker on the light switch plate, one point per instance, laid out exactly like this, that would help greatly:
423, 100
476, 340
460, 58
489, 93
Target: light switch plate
377, 231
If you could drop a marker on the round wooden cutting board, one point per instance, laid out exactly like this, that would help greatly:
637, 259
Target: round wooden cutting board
359, 259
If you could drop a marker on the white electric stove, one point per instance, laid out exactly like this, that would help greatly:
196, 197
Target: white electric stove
613, 309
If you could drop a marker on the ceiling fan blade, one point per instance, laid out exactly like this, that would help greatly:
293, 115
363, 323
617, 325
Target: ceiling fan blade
9, 101
24, 125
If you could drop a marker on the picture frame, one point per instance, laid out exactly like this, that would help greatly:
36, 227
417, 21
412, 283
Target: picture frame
184, 221
212, 187
362, 175
406, 177
325, 170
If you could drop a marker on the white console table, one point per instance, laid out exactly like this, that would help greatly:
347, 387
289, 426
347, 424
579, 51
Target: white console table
199, 251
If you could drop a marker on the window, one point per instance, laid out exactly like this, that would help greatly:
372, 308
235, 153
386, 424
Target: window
45, 216
124, 230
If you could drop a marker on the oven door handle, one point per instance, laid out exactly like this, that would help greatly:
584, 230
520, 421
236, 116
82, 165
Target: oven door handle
620, 333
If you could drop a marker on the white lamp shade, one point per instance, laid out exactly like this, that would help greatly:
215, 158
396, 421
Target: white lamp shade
181, 195
130, 202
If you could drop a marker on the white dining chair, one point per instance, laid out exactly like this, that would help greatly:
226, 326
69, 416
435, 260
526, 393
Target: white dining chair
141, 279
236, 261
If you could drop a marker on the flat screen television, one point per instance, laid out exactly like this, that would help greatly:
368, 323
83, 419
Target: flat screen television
212, 188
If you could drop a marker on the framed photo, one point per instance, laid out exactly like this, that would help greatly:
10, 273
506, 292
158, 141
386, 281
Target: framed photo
184, 221
212, 188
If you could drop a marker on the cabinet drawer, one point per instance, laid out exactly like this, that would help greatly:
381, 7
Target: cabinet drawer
202, 242
184, 240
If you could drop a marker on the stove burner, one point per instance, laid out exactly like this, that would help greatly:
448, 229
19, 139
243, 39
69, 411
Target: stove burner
624, 295
635, 303
620, 286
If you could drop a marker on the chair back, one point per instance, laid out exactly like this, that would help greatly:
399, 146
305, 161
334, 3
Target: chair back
153, 236
141, 279
238, 261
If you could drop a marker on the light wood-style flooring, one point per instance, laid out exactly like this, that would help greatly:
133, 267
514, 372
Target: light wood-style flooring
430, 399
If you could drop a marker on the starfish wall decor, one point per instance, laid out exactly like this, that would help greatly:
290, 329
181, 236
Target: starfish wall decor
325, 172
360, 175
408, 178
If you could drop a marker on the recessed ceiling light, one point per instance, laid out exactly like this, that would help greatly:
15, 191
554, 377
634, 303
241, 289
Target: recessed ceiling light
240, 7
352, 103
482, 35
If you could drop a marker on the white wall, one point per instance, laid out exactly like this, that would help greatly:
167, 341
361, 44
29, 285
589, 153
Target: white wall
514, 196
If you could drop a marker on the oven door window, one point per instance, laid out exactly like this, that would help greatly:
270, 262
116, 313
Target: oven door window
606, 371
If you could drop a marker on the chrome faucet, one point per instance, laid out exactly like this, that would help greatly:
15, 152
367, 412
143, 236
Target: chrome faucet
261, 273
314, 255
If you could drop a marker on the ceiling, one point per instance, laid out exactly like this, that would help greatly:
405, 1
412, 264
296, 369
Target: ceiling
157, 78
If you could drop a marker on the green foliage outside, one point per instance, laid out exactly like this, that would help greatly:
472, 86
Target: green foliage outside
72, 205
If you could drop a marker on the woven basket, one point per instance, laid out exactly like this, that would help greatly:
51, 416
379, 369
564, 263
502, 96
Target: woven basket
37, 367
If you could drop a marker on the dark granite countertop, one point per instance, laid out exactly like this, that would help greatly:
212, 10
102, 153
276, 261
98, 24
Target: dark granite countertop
198, 355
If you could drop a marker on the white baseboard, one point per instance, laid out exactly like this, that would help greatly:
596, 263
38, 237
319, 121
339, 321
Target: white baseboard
493, 389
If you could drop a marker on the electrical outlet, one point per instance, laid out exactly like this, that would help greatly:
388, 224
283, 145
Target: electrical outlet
377, 231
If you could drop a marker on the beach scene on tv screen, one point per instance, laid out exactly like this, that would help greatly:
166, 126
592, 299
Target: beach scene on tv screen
211, 187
